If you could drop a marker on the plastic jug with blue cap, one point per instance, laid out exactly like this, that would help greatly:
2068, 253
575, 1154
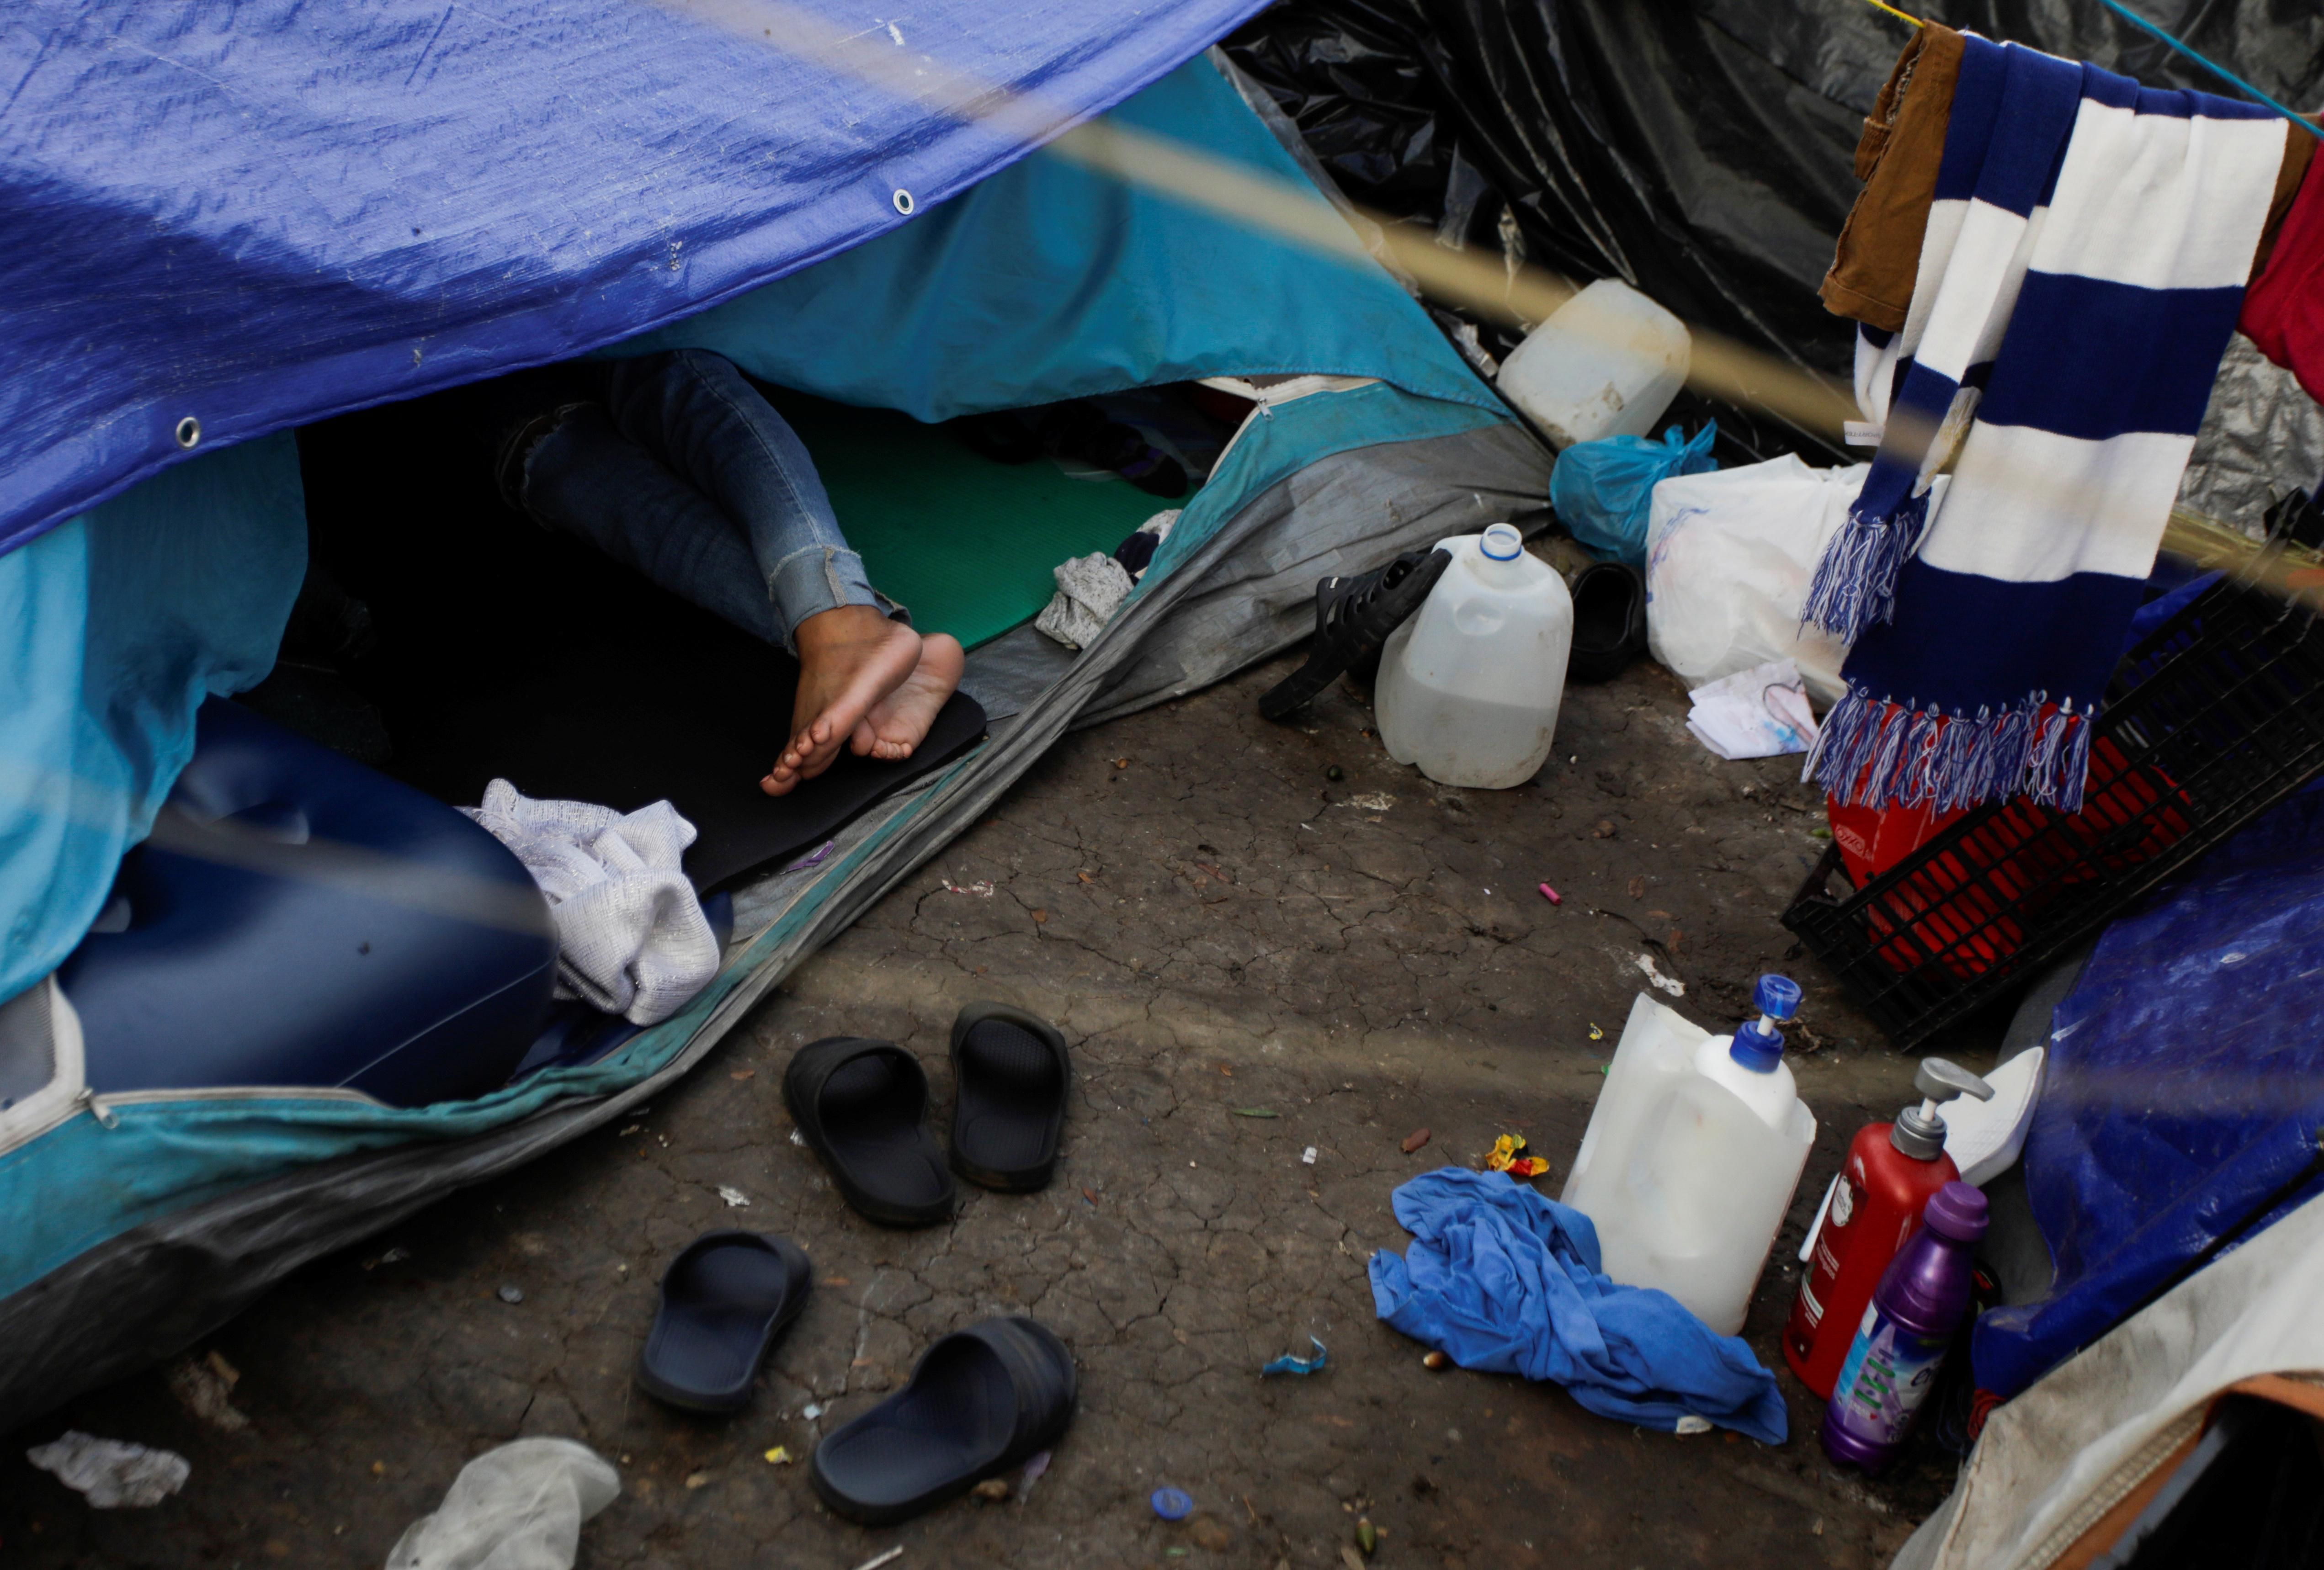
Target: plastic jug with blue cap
1469, 688
1692, 1154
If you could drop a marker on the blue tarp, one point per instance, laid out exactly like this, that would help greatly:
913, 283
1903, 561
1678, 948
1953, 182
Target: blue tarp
1043, 282
2183, 1087
260, 214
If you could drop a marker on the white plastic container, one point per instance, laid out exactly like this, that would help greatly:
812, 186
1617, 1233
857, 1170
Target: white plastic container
1607, 363
1690, 1163
1468, 687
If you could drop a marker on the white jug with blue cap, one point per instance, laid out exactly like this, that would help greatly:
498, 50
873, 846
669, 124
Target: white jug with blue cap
1469, 688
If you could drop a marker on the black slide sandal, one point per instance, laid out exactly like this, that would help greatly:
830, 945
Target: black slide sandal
861, 1105
1353, 617
1009, 1076
724, 1301
982, 1400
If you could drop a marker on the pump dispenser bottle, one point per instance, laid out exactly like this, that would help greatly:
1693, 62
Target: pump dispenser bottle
1891, 1172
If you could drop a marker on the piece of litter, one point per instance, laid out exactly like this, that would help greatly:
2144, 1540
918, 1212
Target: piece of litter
1595, 1033
993, 1490
796, 1138
815, 858
512, 1294
1370, 801
1761, 712
735, 1198
1415, 1139
1307, 1156
1552, 896
204, 1387
110, 1474
1366, 1536
697, 1480
781, 1456
1172, 1504
1647, 965
811, 1411
1255, 1111
981, 889
1691, 1424
1286, 1364
1509, 1155
889, 1558
633, 1128
1435, 1361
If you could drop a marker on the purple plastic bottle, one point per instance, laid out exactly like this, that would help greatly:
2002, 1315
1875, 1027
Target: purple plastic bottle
1905, 1330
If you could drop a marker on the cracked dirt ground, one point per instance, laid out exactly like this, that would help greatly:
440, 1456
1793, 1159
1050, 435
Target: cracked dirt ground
1223, 931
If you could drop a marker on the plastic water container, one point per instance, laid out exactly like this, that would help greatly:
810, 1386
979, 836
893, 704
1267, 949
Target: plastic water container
1607, 363
1468, 687
1693, 1155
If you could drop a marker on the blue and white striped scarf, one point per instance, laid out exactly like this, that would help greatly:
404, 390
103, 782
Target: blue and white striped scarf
2083, 266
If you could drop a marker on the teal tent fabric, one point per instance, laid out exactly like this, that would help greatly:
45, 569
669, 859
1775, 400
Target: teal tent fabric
1050, 281
115, 627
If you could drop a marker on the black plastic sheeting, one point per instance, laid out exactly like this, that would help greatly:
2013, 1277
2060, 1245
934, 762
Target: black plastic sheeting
1701, 150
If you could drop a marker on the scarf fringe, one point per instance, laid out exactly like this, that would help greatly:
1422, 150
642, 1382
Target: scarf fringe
1855, 582
1879, 753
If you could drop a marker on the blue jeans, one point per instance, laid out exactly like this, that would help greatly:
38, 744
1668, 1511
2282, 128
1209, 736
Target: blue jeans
688, 476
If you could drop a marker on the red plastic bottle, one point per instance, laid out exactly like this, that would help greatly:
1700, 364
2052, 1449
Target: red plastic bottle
1891, 1172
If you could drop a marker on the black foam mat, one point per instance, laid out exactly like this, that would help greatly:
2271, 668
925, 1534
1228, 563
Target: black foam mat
505, 651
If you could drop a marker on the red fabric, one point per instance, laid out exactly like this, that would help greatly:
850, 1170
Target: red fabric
2283, 309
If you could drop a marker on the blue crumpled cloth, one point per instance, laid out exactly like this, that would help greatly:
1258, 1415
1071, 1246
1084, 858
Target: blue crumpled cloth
1506, 1282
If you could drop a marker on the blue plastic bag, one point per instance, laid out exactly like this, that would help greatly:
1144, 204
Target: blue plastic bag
1600, 489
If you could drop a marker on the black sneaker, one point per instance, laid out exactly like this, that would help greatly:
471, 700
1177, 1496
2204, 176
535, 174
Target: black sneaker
1353, 617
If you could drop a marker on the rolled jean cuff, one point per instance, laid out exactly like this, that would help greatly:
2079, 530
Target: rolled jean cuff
820, 578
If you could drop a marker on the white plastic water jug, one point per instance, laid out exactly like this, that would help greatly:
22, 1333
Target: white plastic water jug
1693, 1155
1468, 687
1607, 363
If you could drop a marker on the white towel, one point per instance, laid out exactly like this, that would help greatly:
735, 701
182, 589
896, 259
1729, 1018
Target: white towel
631, 935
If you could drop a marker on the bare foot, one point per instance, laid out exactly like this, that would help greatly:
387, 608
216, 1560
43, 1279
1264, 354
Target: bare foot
899, 721
850, 658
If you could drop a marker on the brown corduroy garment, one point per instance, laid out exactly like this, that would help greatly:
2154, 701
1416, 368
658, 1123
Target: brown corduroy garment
1904, 141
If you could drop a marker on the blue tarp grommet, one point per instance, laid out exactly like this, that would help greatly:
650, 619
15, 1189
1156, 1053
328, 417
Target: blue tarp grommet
188, 432
904, 203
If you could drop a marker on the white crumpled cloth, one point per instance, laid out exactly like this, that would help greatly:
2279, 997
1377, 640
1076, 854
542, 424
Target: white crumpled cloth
111, 1473
1090, 590
631, 935
517, 1508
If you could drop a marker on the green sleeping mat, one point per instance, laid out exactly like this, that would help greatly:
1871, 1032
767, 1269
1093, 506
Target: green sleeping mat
967, 543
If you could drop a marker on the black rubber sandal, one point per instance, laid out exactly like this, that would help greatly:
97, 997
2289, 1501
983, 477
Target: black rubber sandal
724, 1301
982, 1401
1010, 1074
1353, 617
1609, 621
861, 1105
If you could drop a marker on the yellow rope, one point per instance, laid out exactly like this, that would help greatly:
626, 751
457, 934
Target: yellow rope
1891, 10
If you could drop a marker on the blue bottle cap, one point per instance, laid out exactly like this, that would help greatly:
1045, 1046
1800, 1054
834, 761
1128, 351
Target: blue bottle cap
1173, 1504
1777, 997
1759, 1046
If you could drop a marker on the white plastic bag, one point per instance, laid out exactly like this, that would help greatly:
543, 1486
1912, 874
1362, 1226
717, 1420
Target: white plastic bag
517, 1508
1729, 559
